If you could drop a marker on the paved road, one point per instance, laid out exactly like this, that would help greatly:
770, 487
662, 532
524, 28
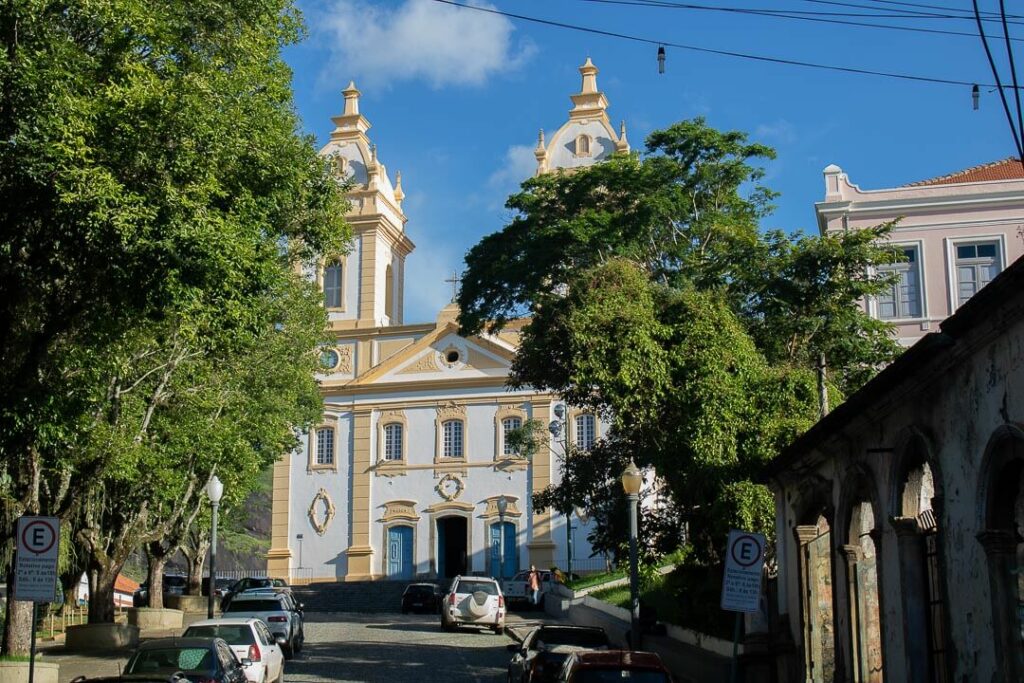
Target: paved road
395, 648
359, 647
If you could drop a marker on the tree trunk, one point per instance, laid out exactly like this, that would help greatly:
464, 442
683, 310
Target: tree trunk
155, 574
195, 568
822, 386
18, 633
101, 591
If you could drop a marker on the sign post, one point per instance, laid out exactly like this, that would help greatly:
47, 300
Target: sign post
35, 568
741, 583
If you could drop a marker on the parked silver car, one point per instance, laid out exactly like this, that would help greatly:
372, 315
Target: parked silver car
474, 601
280, 612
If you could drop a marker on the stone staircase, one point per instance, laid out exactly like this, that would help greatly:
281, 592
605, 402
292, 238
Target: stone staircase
352, 596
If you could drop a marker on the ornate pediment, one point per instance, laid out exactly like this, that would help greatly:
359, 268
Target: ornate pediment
400, 509
450, 410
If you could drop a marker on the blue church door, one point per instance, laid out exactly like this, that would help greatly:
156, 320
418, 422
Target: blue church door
400, 552
511, 550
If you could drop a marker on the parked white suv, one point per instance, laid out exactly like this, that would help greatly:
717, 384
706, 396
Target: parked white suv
476, 601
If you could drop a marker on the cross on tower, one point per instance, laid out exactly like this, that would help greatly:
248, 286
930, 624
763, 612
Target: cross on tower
454, 281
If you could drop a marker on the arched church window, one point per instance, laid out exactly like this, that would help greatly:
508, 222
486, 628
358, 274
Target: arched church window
452, 439
507, 425
393, 441
340, 165
332, 285
389, 292
583, 146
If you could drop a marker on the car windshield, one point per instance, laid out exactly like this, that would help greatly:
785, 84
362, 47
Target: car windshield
548, 637
419, 590
254, 606
488, 587
170, 659
257, 583
234, 634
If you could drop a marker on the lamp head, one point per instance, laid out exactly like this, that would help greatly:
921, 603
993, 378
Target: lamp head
631, 479
559, 411
555, 427
502, 505
214, 489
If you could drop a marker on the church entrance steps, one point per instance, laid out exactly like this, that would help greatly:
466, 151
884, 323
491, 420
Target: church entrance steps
354, 596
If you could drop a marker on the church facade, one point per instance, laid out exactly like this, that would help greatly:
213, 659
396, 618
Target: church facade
402, 477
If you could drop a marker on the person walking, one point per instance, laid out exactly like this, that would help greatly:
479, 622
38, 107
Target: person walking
533, 582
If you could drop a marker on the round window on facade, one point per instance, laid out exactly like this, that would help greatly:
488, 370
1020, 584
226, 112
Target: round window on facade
329, 359
452, 357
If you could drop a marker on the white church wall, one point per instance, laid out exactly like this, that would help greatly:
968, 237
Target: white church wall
322, 554
562, 151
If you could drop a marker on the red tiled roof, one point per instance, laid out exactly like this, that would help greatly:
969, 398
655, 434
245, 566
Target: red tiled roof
123, 584
1005, 169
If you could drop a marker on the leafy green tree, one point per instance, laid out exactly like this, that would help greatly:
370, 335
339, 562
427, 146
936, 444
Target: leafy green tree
153, 191
655, 300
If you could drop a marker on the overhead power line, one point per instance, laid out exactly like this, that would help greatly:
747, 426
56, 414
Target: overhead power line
785, 14
707, 50
983, 15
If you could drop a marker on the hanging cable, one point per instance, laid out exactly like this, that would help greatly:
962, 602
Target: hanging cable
707, 50
947, 9
1013, 77
778, 15
999, 84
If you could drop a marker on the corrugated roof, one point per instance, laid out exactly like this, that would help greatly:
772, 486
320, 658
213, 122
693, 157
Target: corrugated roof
1004, 169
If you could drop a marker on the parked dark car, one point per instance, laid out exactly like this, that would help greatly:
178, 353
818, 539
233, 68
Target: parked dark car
544, 650
421, 597
615, 666
206, 660
174, 584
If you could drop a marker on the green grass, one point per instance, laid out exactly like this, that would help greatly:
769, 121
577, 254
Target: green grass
596, 579
15, 658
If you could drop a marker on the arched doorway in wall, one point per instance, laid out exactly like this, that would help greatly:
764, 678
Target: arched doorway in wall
511, 554
865, 614
452, 546
819, 643
1002, 536
922, 585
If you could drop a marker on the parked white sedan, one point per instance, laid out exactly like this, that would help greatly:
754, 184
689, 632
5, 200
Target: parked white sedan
249, 639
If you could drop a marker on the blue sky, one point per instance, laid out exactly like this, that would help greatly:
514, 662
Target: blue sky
456, 98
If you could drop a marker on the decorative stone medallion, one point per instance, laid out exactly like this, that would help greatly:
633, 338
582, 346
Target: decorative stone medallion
321, 512
450, 487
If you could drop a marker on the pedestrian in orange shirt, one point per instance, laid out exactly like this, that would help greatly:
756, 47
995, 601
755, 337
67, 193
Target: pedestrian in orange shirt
534, 584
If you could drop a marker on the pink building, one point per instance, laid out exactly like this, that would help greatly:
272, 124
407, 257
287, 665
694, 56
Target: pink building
957, 231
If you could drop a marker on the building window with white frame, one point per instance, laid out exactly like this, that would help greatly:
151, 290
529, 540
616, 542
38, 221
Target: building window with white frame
586, 431
903, 298
583, 146
393, 441
509, 424
332, 285
451, 442
325, 446
977, 263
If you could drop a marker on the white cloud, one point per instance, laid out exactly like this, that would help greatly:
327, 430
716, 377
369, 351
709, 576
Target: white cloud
519, 164
781, 132
426, 291
416, 40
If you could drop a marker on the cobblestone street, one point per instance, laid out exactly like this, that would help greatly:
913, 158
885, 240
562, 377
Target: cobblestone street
394, 647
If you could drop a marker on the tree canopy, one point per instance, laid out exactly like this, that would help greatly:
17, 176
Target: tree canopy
157, 207
656, 301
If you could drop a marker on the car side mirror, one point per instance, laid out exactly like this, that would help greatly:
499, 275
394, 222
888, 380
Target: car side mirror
301, 607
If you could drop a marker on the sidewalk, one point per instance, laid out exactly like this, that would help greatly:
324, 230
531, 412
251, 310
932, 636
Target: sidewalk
107, 663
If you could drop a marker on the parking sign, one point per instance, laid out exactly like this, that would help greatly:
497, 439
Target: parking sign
744, 562
35, 572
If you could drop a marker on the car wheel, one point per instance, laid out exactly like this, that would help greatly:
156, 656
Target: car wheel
287, 650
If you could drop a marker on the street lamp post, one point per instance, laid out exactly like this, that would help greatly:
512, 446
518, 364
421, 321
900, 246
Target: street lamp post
560, 428
631, 480
502, 509
214, 489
